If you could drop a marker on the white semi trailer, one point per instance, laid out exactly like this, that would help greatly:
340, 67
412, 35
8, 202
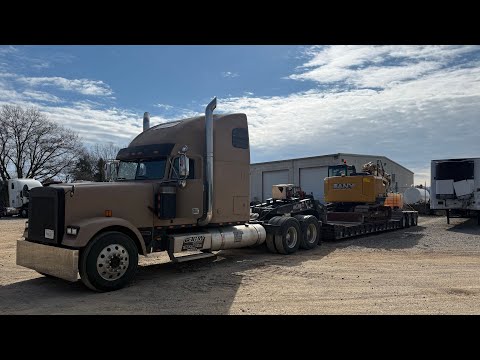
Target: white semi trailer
455, 187
18, 196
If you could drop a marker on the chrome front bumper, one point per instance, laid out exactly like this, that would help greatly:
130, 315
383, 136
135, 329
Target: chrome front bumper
51, 260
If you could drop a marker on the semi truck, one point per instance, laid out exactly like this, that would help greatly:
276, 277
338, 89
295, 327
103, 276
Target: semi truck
455, 187
181, 187
18, 196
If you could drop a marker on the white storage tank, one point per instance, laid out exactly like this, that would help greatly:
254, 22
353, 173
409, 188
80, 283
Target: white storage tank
415, 195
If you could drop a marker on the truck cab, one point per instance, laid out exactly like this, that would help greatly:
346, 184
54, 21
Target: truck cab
180, 186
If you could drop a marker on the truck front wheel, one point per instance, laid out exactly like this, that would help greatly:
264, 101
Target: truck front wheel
109, 261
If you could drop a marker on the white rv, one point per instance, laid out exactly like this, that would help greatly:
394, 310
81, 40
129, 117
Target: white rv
455, 186
18, 196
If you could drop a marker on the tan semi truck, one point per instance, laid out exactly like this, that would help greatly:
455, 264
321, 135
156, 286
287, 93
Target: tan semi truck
181, 187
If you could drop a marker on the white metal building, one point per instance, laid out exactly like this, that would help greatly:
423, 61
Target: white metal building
310, 172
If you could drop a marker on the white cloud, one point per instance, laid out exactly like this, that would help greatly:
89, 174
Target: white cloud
41, 65
173, 113
4, 50
41, 96
164, 106
10, 94
229, 74
7, 75
375, 66
96, 124
82, 86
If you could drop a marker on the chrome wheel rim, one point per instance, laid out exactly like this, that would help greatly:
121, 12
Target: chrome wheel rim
112, 262
291, 237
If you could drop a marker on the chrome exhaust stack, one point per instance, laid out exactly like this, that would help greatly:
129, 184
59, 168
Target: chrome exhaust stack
146, 121
208, 181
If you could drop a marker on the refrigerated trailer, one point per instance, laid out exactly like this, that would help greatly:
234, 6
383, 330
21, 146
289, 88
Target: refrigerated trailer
455, 187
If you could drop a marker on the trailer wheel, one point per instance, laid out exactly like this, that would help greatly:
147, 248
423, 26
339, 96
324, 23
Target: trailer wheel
310, 230
403, 221
24, 213
108, 262
414, 219
287, 241
408, 220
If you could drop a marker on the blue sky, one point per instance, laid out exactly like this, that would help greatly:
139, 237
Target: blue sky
409, 103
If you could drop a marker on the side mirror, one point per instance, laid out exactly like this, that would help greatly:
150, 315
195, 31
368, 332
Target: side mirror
111, 170
183, 166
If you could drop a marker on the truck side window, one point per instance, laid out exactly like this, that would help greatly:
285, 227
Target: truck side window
191, 166
240, 138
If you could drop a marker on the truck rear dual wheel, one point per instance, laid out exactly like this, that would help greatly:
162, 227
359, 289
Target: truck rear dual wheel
310, 231
109, 261
287, 239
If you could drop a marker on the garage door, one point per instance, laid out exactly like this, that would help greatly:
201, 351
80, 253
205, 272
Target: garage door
273, 178
311, 181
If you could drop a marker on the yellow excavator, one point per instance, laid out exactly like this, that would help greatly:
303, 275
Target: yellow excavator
359, 196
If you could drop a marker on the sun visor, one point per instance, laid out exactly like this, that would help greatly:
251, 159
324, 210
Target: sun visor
145, 152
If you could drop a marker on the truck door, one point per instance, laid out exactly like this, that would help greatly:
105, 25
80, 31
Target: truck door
189, 199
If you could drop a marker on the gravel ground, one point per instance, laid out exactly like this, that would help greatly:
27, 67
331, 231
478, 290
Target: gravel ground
429, 269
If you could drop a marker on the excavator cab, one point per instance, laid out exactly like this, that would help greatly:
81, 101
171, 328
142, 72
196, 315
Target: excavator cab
341, 170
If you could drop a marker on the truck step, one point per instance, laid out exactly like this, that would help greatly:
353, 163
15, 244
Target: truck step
180, 259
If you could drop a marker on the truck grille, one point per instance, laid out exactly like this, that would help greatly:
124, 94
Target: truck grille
46, 217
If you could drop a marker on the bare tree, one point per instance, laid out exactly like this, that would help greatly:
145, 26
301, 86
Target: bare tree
105, 152
90, 164
101, 153
33, 146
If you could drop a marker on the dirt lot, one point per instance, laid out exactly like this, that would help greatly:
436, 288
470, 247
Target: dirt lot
430, 269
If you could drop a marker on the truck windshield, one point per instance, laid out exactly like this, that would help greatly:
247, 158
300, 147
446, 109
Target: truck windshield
141, 170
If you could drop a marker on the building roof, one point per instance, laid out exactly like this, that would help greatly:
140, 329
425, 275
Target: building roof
337, 154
